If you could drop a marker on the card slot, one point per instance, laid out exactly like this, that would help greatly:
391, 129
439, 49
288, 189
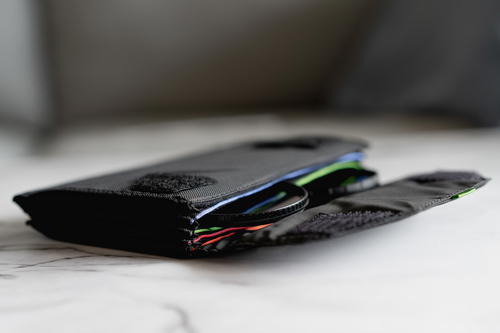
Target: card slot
268, 206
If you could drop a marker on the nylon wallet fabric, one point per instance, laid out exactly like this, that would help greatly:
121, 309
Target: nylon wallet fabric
238, 197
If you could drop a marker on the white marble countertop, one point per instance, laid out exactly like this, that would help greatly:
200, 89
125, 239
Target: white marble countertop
435, 272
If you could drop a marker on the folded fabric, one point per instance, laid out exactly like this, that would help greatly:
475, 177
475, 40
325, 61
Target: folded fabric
238, 197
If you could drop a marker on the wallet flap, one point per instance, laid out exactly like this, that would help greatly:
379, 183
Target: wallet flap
187, 185
384, 204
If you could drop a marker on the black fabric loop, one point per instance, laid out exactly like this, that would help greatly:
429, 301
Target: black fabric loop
248, 219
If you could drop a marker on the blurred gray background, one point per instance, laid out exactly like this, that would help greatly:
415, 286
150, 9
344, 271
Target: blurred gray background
68, 61
81, 60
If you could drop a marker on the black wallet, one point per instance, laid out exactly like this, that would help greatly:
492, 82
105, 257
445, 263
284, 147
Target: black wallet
239, 197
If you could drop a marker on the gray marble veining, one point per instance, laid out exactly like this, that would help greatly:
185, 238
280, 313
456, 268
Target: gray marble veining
435, 272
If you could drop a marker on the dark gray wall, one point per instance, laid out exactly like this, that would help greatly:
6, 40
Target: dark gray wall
434, 56
24, 84
118, 56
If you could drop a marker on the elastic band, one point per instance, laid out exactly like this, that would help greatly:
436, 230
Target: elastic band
252, 219
355, 156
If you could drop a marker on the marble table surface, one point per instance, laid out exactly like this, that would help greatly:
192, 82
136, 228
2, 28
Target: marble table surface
434, 272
